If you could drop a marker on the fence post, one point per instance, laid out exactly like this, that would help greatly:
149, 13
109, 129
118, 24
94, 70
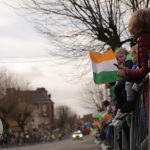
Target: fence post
131, 133
149, 112
115, 138
124, 143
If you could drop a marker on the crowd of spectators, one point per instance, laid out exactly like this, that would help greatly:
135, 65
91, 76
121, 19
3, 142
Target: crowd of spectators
133, 66
13, 139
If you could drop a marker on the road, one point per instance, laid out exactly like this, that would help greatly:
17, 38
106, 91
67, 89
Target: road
66, 144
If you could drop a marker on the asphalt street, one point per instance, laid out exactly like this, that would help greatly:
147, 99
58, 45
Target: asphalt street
66, 144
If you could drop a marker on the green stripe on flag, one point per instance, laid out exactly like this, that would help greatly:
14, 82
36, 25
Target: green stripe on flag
107, 76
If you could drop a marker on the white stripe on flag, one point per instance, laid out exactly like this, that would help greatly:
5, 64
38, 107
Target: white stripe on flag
104, 66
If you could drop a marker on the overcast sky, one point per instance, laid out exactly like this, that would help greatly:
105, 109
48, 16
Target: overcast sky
23, 50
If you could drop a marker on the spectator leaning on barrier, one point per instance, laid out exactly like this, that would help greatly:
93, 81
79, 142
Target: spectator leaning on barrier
131, 93
134, 54
112, 98
123, 58
126, 124
139, 28
110, 106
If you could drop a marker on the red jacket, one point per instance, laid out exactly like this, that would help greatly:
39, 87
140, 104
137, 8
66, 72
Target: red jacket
136, 75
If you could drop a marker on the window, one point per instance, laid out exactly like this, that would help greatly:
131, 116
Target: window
44, 107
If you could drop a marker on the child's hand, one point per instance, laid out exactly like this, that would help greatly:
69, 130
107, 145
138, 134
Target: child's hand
135, 87
122, 72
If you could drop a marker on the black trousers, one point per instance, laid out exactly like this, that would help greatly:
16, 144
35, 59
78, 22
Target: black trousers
126, 131
120, 95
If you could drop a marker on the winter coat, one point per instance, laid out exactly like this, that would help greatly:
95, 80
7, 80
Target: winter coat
137, 75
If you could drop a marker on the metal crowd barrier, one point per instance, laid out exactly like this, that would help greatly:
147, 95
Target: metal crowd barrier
139, 131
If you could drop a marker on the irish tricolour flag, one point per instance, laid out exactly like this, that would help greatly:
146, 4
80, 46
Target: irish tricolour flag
103, 67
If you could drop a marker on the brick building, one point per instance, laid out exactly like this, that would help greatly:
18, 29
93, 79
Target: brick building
42, 113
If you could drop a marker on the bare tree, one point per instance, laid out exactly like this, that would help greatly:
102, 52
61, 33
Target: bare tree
6, 102
24, 108
91, 97
80, 25
136, 4
8, 98
64, 115
11, 102
7, 105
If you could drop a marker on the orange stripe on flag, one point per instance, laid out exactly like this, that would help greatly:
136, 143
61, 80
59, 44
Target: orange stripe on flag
97, 57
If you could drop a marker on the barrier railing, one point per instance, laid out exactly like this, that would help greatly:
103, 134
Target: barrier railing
139, 130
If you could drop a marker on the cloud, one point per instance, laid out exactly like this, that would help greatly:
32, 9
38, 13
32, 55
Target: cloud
19, 39
18, 36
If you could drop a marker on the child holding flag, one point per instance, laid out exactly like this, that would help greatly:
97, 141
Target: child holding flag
130, 92
123, 89
124, 96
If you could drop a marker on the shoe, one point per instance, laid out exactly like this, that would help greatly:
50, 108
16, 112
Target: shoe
113, 121
128, 107
122, 115
96, 141
118, 113
116, 117
118, 123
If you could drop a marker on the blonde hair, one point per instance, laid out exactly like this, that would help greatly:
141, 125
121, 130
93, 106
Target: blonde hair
122, 51
139, 22
134, 49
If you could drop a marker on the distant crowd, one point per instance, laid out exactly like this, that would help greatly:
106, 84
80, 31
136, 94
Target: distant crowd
13, 139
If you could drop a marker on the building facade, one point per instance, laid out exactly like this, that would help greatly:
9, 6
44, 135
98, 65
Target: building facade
43, 114
40, 106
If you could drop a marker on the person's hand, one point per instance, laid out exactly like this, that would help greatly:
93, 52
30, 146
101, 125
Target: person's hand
123, 72
135, 87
